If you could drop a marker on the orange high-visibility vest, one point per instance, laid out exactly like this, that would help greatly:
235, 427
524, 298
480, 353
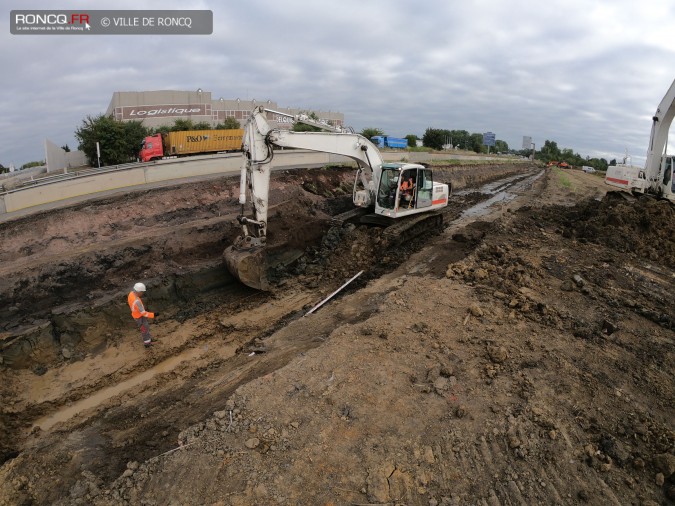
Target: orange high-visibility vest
136, 305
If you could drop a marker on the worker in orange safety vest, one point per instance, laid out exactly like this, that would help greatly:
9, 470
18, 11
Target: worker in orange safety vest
406, 192
140, 315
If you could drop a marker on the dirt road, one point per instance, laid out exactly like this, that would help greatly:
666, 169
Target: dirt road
524, 355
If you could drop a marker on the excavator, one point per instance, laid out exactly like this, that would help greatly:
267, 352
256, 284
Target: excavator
403, 196
656, 178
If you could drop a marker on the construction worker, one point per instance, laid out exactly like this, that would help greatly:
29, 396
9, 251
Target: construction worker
406, 193
140, 315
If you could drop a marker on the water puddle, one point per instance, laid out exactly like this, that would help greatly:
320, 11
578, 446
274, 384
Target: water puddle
499, 193
47, 422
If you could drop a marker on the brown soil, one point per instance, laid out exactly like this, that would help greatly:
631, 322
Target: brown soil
520, 356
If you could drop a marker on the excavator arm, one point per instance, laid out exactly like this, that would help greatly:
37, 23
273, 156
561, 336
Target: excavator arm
246, 257
656, 177
658, 138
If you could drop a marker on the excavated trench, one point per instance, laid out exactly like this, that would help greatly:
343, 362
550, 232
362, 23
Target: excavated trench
563, 381
48, 321
210, 323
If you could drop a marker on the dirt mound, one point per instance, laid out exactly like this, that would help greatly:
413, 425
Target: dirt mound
642, 227
525, 375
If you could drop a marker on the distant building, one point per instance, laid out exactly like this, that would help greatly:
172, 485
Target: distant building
156, 108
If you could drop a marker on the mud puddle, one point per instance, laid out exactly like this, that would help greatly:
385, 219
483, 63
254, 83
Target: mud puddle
502, 192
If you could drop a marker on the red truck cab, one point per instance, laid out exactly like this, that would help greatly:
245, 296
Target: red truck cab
151, 148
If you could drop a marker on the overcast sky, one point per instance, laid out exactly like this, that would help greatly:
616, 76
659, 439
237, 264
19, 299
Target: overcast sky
586, 74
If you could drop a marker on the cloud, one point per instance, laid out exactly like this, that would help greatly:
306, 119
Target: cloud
588, 76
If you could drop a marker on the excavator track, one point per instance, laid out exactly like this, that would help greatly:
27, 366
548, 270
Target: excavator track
352, 214
414, 226
396, 231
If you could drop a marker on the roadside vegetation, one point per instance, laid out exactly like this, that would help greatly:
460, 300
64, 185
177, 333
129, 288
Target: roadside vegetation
119, 142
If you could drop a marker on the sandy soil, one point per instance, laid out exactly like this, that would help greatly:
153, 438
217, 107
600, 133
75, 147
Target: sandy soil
524, 355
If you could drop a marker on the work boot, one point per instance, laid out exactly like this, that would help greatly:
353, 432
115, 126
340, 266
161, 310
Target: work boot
148, 345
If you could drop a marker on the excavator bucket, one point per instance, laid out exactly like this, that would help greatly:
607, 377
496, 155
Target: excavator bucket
248, 265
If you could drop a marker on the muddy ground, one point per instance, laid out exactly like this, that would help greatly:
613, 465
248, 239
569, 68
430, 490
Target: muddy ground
522, 355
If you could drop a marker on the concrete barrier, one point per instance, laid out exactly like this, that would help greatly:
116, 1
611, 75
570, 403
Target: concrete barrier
77, 186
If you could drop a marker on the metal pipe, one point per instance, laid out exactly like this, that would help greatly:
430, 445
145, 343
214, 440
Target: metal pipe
331, 295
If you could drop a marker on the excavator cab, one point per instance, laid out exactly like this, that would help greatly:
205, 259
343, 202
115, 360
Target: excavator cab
404, 189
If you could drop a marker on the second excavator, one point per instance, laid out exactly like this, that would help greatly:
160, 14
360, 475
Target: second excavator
388, 193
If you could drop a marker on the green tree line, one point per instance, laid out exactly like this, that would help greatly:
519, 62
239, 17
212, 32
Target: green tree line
550, 152
436, 138
120, 141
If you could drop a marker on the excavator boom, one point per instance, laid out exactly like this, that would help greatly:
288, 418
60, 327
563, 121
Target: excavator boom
246, 258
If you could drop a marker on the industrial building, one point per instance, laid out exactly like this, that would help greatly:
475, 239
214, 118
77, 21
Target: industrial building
163, 107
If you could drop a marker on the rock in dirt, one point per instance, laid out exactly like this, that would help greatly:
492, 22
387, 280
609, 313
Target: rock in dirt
665, 463
476, 310
497, 354
252, 443
566, 286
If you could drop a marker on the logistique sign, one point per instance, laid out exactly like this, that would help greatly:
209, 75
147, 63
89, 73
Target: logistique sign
111, 22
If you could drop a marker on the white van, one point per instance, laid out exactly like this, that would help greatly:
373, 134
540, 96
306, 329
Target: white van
588, 169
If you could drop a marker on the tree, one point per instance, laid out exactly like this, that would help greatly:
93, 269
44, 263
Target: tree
501, 146
370, 132
229, 124
181, 125
202, 125
119, 142
435, 138
459, 138
303, 127
412, 140
134, 132
550, 151
28, 165
162, 129
476, 142
66, 148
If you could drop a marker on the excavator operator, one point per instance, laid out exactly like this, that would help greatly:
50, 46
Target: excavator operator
406, 191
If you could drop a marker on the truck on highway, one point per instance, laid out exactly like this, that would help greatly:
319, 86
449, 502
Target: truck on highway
384, 141
190, 142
